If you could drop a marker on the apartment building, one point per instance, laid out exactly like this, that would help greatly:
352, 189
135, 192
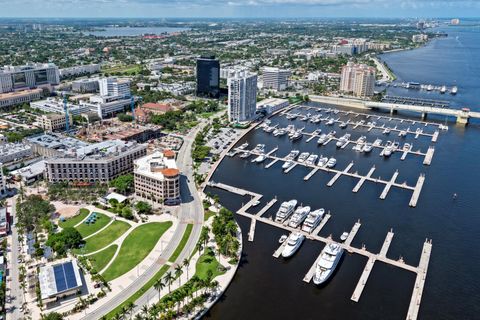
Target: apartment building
358, 79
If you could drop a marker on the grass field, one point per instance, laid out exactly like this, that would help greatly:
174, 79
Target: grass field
104, 238
130, 69
100, 259
71, 222
182, 243
88, 229
136, 246
207, 261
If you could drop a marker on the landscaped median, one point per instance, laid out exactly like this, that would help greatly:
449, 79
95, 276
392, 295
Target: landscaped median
182, 243
136, 246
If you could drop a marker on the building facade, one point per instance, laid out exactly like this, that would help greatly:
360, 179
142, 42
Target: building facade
275, 78
85, 85
100, 162
242, 97
157, 179
79, 70
29, 76
24, 96
208, 77
12, 152
52, 105
358, 79
53, 122
114, 87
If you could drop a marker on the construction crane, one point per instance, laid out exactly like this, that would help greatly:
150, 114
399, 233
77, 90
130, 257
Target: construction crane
65, 109
132, 105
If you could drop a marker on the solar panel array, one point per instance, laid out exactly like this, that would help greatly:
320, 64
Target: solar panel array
65, 277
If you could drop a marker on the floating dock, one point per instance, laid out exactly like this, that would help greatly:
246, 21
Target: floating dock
271, 163
251, 233
363, 179
339, 173
308, 176
322, 224
352, 233
267, 206
417, 190
389, 185
429, 156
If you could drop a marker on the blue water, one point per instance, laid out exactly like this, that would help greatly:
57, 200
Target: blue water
269, 288
133, 31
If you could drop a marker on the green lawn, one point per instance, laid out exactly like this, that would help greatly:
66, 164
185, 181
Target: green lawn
71, 222
131, 69
104, 237
182, 243
208, 214
134, 297
100, 259
88, 229
136, 246
207, 261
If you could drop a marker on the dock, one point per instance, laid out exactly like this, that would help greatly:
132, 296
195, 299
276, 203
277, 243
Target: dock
416, 192
311, 138
267, 207
308, 277
251, 233
310, 174
420, 270
271, 163
338, 174
290, 168
322, 224
435, 136
388, 186
429, 156
363, 179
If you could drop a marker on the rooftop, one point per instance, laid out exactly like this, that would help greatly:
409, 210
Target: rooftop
157, 165
58, 278
57, 142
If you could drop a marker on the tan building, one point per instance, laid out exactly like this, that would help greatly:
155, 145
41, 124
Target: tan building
19, 97
53, 122
358, 79
157, 179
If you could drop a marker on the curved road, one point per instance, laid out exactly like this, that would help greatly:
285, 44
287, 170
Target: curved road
191, 211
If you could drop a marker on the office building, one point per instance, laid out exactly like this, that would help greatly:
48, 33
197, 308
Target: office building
4, 221
14, 98
13, 152
59, 280
3, 186
53, 122
30, 76
418, 38
208, 77
358, 79
54, 105
113, 87
242, 97
272, 105
85, 85
79, 70
275, 78
31, 173
108, 106
100, 162
53, 144
157, 179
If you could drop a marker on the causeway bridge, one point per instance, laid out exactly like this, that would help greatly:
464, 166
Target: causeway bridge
462, 115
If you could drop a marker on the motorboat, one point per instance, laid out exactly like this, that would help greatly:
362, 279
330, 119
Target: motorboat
311, 159
287, 164
292, 116
330, 122
343, 140
395, 146
419, 131
443, 89
344, 236
260, 158
317, 132
243, 146
292, 155
387, 152
255, 203
259, 148
343, 125
298, 216
407, 147
245, 154
377, 142
331, 162
367, 147
283, 238
386, 131
454, 90
297, 135
332, 133
303, 156
313, 220
294, 242
322, 161
285, 210
329, 259
402, 134
429, 87
323, 137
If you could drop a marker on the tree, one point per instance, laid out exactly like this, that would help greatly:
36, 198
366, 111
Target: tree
123, 184
186, 264
178, 274
159, 286
169, 279
127, 213
66, 239
52, 316
32, 211
143, 207
125, 117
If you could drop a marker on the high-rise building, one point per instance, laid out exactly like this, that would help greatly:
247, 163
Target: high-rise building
208, 77
29, 76
358, 79
242, 96
275, 78
114, 87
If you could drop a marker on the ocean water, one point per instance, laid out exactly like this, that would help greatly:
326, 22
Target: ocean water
269, 288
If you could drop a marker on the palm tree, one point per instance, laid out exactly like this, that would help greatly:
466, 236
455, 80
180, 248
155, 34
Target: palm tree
199, 247
159, 285
178, 274
130, 308
186, 263
145, 310
169, 279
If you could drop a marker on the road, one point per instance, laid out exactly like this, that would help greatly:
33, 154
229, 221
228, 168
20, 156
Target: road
191, 211
14, 292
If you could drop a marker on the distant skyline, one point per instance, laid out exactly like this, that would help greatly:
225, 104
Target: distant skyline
239, 8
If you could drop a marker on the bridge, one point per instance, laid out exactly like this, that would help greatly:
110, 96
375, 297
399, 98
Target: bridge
462, 115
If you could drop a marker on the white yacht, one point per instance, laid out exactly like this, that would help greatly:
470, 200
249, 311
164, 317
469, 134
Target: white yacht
344, 236
322, 161
303, 156
317, 132
259, 148
443, 89
322, 138
367, 147
268, 129
297, 135
387, 152
313, 220
343, 125
287, 164
245, 154
298, 216
407, 147
377, 142
330, 122
331, 162
285, 210
292, 116
454, 90
387, 131
343, 140
260, 158
292, 155
402, 133
395, 146
330, 256
243, 146
294, 242
311, 159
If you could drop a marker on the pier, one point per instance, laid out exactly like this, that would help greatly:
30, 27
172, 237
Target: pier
363, 179
251, 233
271, 163
322, 224
429, 156
267, 207
308, 176
420, 270
339, 173
417, 190
389, 185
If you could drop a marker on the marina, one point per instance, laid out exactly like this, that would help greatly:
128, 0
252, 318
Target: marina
420, 270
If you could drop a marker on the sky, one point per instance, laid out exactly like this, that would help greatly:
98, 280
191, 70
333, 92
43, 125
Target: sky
240, 8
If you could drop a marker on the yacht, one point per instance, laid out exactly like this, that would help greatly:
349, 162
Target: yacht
443, 89
367, 147
283, 238
343, 140
259, 148
454, 90
377, 142
429, 87
331, 162
297, 135
292, 116
260, 158
407, 147
332, 133
395, 146
343, 125
287, 164
387, 152
329, 258
402, 134
313, 220
311, 159
322, 161
322, 138
303, 156
245, 154
330, 122
386, 131
285, 210
344, 236
317, 132
304, 117
269, 129
243, 146
294, 242
292, 155
298, 216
